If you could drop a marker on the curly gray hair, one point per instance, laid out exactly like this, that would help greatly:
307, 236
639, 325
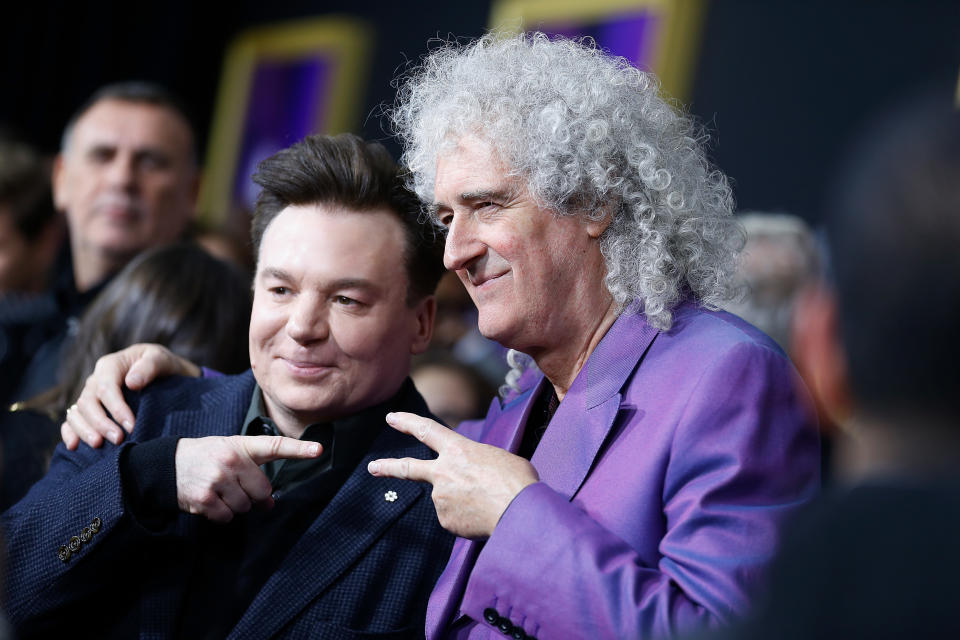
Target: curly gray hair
590, 135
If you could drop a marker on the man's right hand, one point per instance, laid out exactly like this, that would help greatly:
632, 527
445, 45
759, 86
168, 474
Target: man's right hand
136, 366
220, 476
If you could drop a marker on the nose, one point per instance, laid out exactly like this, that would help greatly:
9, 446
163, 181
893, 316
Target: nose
308, 320
462, 246
123, 172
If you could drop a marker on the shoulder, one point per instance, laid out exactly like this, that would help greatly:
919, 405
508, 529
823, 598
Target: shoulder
698, 329
178, 388
700, 340
176, 393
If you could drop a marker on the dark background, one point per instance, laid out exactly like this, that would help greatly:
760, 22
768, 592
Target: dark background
784, 86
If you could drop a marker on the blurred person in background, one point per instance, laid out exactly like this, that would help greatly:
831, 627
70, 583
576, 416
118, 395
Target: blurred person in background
31, 232
177, 296
126, 179
779, 261
453, 390
458, 335
877, 557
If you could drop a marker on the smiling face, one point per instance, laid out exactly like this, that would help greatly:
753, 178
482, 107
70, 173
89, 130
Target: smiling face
126, 180
536, 277
331, 332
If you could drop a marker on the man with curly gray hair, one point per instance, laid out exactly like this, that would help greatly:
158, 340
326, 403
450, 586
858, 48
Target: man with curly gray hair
636, 486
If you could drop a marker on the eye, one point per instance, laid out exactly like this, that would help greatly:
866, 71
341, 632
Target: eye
446, 219
344, 300
279, 291
100, 155
154, 161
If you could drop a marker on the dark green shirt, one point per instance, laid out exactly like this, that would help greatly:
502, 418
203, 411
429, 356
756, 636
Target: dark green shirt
344, 442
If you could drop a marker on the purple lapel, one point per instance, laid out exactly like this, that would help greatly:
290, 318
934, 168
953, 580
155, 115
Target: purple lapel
504, 431
587, 413
565, 454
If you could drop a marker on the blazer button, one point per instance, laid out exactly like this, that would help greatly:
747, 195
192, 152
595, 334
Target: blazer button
518, 634
491, 615
505, 627
96, 524
85, 534
63, 553
74, 544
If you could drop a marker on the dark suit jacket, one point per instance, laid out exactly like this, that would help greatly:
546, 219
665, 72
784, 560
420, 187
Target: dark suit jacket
363, 569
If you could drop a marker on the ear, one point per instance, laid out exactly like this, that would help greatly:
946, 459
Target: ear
595, 228
58, 182
425, 313
819, 353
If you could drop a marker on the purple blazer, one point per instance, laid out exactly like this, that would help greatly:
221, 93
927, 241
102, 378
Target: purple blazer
665, 477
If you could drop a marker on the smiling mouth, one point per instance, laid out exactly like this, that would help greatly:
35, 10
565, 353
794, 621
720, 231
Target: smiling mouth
482, 281
306, 368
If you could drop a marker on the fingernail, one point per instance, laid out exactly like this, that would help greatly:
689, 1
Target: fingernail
391, 418
134, 380
113, 437
374, 467
128, 425
315, 449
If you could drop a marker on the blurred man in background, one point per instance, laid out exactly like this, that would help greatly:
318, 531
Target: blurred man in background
126, 178
780, 260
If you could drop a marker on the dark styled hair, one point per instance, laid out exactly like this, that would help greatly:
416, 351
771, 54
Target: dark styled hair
136, 91
178, 296
894, 236
347, 171
25, 189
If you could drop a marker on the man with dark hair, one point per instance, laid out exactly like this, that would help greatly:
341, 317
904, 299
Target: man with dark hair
241, 505
126, 178
30, 230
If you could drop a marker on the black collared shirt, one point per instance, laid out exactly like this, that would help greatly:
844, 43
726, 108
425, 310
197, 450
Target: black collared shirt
344, 443
540, 416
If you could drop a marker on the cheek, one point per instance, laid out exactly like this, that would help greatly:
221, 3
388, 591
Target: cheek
357, 338
265, 324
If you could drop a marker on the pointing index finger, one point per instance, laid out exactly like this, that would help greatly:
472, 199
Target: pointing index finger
431, 433
263, 449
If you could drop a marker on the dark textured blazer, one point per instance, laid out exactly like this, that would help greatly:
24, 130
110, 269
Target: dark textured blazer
363, 569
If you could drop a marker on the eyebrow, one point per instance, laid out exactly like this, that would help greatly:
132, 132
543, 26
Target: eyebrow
342, 283
273, 272
353, 283
496, 194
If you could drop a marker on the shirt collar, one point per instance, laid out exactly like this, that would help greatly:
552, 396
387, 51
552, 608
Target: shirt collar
350, 436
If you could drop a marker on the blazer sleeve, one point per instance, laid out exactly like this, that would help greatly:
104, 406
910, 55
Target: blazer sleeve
743, 455
71, 539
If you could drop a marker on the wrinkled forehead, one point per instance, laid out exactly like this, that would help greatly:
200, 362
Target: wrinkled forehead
472, 159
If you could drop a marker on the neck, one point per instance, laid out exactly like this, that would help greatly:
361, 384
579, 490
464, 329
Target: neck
90, 268
562, 363
287, 425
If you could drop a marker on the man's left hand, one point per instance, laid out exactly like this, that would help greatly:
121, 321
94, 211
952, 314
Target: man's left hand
473, 483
